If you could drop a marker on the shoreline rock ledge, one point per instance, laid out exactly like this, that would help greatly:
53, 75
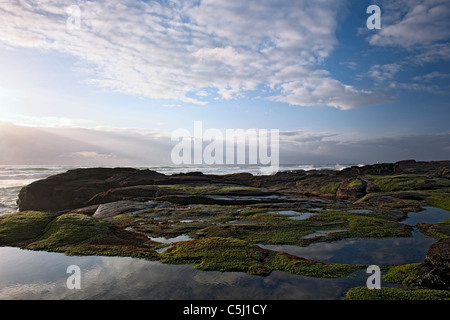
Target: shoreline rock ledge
79, 188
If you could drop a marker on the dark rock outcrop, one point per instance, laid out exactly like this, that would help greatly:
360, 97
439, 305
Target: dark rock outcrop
351, 189
435, 270
111, 209
82, 187
138, 193
74, 188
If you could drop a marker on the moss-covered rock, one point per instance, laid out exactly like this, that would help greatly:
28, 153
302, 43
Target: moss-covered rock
440, 198
407, 275
363, 293
432, 273
227, 254
71, 233
310, 268
71, 229
405, 182
222, 254
22, 227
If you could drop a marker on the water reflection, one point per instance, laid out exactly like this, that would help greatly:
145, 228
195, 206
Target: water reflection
295, 215
373, 251
364, 251
183, 237
428, 215
42, 275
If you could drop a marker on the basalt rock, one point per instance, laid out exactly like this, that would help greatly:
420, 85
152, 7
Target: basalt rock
74, 188
108, 210
139, 193
435, 270
351, 189
82, 187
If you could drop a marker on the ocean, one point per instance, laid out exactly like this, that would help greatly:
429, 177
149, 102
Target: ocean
14, 177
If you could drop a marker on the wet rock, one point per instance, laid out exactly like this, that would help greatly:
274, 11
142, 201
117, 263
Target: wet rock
111, 209
351, 189
435, 270
225, 199
74, 188
137, 193
89, 210
81, 187
410, 195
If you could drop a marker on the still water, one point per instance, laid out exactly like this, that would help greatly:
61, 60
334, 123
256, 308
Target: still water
42, 275
364, 251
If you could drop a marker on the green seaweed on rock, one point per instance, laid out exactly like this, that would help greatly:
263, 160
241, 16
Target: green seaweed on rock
363, 293
22, 227
227, 254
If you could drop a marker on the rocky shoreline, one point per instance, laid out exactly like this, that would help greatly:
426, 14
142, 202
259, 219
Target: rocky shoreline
118, 211
83, 187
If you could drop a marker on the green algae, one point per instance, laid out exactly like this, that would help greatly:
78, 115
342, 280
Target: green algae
363, 293
330, 187
228, 254
440, 198
210, 189
69, 229
22, 227
73, 234
257, 226
405, 182
406, 275
355, 183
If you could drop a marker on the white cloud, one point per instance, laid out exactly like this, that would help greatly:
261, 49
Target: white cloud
421, 23
432, 76
350, 64
433, 52
384, 72
143, 147
337, 149
431, 88
50, 121
177, 49
90, 155
416, 25
321, 91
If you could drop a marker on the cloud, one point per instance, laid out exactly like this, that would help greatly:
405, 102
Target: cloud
423, 26
77, 146
433, 52
421, 30
177, 50
90, 155
50, 121
431, 76
326, 91
337, 149
143, 147
350, 64
415, 23
384, 72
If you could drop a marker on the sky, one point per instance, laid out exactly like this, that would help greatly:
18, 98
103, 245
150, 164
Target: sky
108, 82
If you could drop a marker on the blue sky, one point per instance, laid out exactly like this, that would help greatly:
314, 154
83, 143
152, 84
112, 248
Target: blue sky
135, 71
